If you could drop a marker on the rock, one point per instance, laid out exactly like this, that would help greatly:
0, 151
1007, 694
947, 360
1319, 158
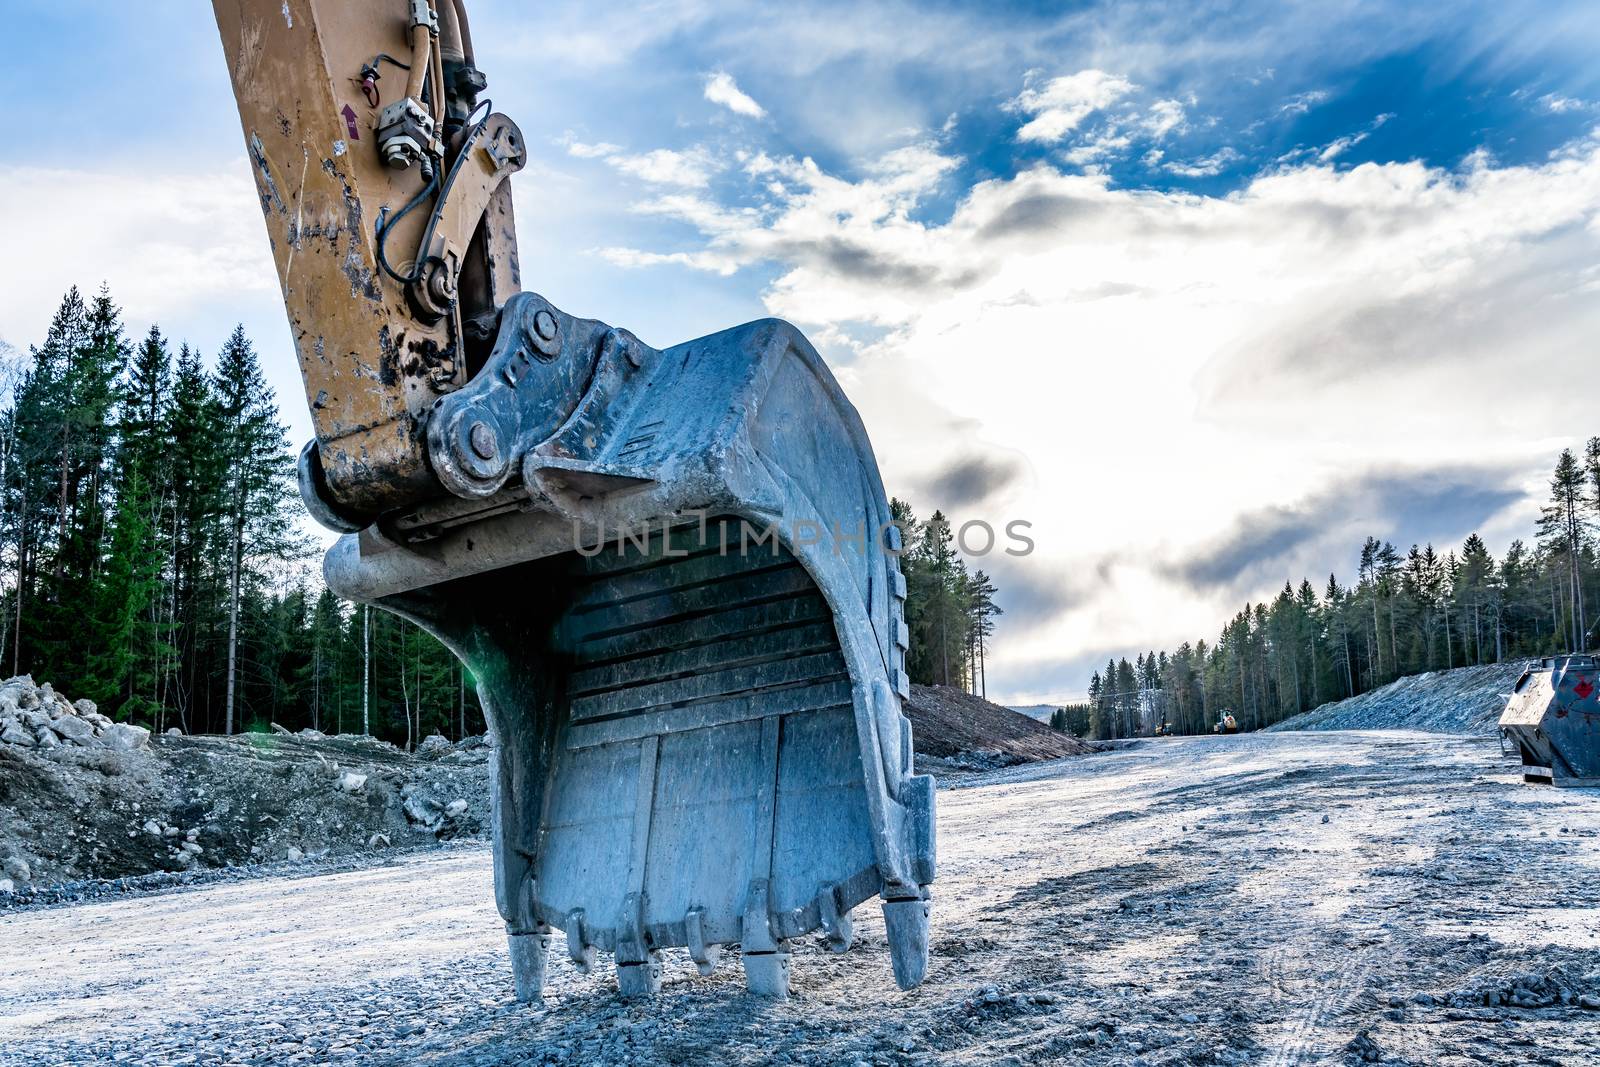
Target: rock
46, 737
17, 869
433, 743
126, 737
152, 828
14, 734
1589, 1003
294, 855
456, 808
86, 708
32, 718
423, 811
192, 848
351, 782
173, 731
7, 886
313, 735
1365, 1049
378, 841
76, 730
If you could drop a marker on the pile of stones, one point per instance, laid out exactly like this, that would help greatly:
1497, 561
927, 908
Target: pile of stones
37, 717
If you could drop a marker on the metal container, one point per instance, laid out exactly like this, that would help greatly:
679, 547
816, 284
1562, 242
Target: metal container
1553, 718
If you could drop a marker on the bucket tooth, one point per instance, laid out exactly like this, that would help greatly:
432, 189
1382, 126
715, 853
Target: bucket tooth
706, 956
636, 980
579, 950
836, 924
765, 958
686, 626
529, 955
638, 961
906, 925
766, 974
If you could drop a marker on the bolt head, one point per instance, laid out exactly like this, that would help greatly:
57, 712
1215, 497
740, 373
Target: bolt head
441, 286
544, 324
483, 441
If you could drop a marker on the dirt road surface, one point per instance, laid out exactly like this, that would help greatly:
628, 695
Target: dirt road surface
1274, 899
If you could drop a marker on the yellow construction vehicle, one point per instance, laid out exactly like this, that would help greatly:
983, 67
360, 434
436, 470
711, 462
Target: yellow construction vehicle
672, 571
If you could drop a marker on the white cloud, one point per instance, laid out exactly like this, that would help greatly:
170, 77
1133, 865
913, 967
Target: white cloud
1301, 103
1164, 117
721, 89
170, 241
590, 151
1339, 146
1063, 103
691, 168
1057, 316
1205, 167
1557, 104
1106, 143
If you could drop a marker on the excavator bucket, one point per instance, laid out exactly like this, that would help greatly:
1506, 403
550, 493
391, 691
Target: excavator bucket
687, 636
672, 572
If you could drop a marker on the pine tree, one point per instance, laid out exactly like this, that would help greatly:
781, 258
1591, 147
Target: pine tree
196, 490
980, 594
1564, 528
258, 486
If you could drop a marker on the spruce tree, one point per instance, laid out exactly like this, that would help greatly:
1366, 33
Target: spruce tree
258, 489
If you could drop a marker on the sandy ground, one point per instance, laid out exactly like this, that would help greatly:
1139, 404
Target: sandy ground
1252, 899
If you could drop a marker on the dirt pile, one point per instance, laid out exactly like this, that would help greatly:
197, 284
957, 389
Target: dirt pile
36, 716
85, 800
960, 731
76, 813
1467, 700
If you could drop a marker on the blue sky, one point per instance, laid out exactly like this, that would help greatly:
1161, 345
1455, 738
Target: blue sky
1206, 292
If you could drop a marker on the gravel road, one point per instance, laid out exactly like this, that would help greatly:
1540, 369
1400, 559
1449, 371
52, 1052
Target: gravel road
1281, 899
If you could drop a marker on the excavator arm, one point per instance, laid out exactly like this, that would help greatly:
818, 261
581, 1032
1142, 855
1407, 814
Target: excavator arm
672, 572
389, 212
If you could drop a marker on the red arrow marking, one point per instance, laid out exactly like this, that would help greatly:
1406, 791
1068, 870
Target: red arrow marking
349, 114
1583, 688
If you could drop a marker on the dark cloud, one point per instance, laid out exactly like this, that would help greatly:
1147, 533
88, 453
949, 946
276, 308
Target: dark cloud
970, 481
1035, 213
1259, 538
1033, 592
856, 262
1316, 536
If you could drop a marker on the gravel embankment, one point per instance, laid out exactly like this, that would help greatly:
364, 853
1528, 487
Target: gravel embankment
1467, 700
